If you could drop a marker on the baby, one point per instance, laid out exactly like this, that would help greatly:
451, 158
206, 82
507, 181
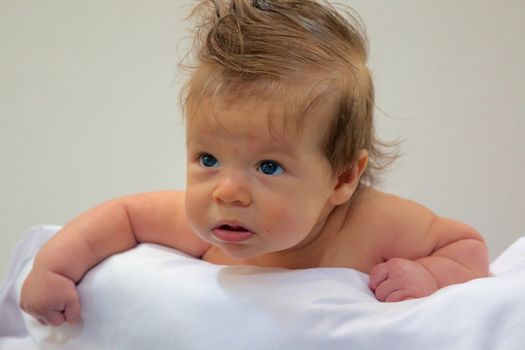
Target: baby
281, 163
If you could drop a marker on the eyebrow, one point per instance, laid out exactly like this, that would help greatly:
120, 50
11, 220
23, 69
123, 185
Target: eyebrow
274, 146
282, 150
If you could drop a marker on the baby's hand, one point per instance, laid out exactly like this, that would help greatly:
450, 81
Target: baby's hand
401, 279
49, 297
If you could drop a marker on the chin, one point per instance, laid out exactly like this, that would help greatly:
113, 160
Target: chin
240, 254
239, 251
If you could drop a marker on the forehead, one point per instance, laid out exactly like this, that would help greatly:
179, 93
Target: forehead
251, 117
279, 117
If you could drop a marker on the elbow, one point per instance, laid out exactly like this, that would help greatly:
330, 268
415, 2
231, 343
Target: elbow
474, 252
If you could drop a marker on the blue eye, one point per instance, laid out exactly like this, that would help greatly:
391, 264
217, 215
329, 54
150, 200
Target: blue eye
208, 161
269, 167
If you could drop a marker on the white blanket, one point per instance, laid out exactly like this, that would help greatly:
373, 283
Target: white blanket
153, 297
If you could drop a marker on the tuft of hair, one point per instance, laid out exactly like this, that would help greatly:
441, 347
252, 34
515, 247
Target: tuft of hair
309, 51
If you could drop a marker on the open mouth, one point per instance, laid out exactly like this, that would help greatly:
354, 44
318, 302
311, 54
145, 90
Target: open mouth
233, 228
232, 233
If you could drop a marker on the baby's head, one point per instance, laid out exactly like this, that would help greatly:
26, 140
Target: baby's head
301, 55
279, 114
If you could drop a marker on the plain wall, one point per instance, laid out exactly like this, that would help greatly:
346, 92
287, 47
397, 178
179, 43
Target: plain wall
89, 92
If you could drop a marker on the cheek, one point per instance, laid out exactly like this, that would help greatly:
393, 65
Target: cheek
290, 216
195, 204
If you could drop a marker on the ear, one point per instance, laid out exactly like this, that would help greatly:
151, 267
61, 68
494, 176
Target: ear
348, 180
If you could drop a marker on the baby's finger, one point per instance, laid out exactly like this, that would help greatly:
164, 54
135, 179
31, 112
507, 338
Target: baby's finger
55, 318
398, 295
384, 289
378, 274
72, 311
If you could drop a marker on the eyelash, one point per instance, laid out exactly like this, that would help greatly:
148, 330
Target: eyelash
273, 163
201, 157
275, 166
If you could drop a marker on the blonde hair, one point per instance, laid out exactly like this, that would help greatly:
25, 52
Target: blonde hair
271, 48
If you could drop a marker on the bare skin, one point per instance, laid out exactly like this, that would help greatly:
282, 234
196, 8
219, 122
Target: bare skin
266, 198
386, 249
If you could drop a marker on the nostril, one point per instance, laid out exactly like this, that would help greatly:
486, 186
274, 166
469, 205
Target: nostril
230, 192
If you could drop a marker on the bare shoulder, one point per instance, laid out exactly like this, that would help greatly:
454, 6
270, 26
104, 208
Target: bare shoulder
401, 227
379, 226
160, 217
391, 212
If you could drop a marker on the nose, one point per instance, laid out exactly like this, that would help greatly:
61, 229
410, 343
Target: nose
232, 190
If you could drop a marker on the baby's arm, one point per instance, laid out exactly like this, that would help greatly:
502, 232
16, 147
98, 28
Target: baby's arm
424, 260
49, 292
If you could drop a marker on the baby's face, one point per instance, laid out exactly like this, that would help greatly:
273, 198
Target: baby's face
252, 189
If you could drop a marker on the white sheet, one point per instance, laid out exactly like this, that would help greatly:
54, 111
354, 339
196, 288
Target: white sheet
153, 297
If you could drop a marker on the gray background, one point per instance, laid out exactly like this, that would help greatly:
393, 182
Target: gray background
89, 92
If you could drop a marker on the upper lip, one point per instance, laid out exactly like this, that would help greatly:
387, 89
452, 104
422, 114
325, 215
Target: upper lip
231, 223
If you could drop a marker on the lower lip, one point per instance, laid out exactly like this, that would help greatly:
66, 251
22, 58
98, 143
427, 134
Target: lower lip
232, 236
